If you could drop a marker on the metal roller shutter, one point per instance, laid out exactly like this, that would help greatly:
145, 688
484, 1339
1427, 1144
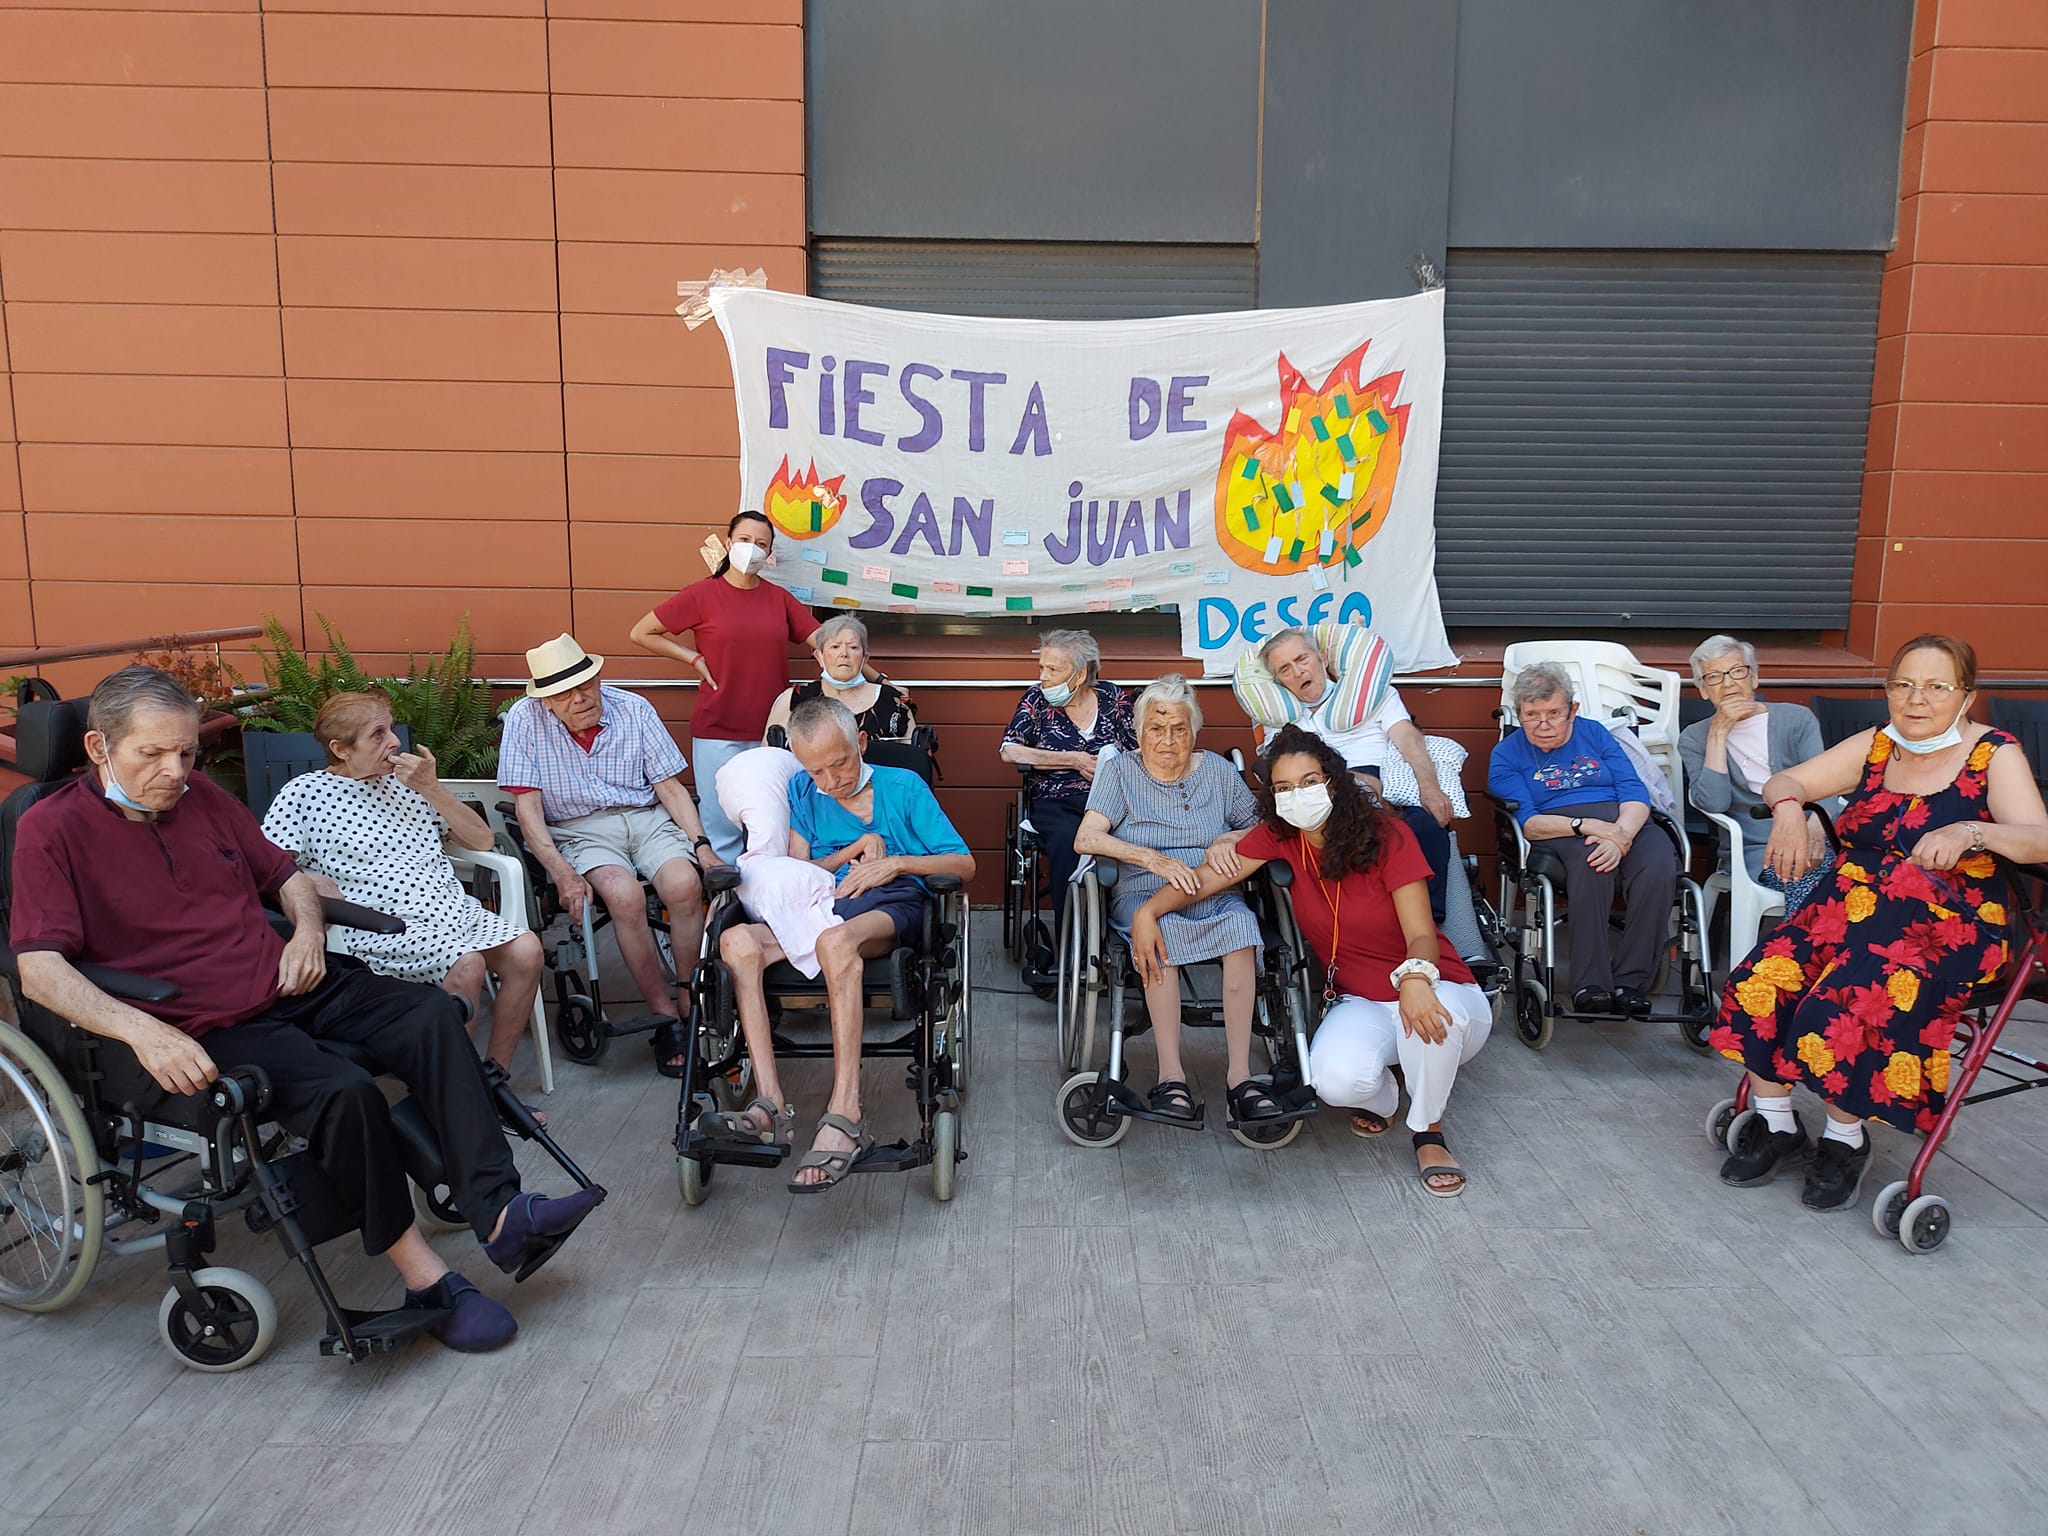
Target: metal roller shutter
1036, 280
1658, 439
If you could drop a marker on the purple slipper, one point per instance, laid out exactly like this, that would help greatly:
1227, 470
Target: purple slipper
475, 1323
535, 1226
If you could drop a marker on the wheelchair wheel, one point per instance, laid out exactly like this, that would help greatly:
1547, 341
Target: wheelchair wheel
960, 1018
581, 1031
1013, 885
1533, 1022
1042, 957
1720, 1118
945, 1153
436, 1210
233, 1327
51, 1219
694, 1180
1086, 1114
1266, 1138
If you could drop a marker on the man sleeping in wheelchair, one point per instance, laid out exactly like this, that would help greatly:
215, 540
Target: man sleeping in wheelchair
880, 830
142, 865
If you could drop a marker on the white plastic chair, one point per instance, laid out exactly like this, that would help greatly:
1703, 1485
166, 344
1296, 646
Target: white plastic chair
514, 901
1749, 904
1610, 681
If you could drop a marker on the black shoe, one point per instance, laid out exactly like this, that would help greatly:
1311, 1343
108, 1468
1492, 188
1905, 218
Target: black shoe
1762, 1151
1836, 1174
1631, 1002
1592, 1000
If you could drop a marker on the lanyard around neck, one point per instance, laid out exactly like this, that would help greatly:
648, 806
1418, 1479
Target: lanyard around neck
1336, 906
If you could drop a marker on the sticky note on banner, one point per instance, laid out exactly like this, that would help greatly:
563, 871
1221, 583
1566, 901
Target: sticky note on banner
1143, 600
1345, 450
1016, 567
837, 578
945, 586
801, 594
1331, 494
1251, 519
814, 556
902, 589
903, 607
1180, 568
845, 602
1250, 470
1329, 544
1344, 484
1295, 495
817, 517
1097, 605
1017, 604
1215, 578
874, 573
1016, 536
1118, 583
1343, 406
981, 591
1316, 425
1376, 421
1073, 586
1273, 550
1317, 579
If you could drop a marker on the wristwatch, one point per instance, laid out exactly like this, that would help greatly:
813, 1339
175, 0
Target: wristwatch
700, 841
1578, 825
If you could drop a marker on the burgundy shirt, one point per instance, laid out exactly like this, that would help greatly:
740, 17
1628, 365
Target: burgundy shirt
178, 898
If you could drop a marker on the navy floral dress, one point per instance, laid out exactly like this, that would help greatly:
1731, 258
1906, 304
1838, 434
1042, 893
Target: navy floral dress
1858, 993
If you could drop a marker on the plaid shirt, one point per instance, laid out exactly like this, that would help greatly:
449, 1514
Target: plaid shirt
633, 753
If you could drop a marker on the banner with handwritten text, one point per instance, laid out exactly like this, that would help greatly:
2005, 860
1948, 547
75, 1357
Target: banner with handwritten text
1252, 470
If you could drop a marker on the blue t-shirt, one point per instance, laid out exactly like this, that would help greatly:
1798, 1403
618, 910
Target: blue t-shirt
907, 816
1588, 768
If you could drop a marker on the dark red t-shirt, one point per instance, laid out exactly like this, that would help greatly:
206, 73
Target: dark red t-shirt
178, 898
745, 635
1360, 907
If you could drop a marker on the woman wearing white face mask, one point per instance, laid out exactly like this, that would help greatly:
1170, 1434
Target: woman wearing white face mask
1397, 994
743, 627
1858, 993
841, 646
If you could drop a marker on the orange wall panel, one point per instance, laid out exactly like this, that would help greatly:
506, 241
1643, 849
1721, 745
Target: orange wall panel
87, 47
109, 477
421, 344
619, 418
115, 122
1990, 84
353, 483
682, 207
649, 488
13, 534
80, 612
422, 619
627, 556
679, 133
463, 53
1989, 23
418, 552
201, 196
1965, 570
608, 58
17, 623
379, 413
1997, 301
643, 349
1981, 437
1985, 157
125, 547
144, 338
157, 409
479, 202
377, 273
784, 12
101, 268
410, 127
1992, 506
2009, 370
627, 279
412, 7
1969, 229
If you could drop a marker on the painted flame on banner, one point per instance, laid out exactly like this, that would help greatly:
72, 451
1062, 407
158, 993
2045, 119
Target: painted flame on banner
1314, 492
803, 506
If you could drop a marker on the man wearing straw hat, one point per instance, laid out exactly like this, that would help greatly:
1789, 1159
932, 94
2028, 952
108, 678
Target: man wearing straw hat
597, 783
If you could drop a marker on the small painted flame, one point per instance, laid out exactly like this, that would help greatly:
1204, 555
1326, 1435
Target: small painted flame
803, 506
1313, 493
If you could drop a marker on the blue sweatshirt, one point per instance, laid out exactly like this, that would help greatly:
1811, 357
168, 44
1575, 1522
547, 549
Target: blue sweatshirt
1588, 768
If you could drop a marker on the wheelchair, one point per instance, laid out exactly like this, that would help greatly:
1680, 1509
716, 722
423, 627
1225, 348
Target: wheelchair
1903, 1210
1027, 937
81, 1177
1094, 1104
918, 1002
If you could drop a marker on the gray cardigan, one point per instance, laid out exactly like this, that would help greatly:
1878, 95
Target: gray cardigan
1794, 736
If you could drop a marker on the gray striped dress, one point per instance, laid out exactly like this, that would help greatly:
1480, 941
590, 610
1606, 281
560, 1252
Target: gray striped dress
1181, 819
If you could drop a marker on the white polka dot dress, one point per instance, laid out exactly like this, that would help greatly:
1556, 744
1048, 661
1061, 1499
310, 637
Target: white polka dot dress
381, 843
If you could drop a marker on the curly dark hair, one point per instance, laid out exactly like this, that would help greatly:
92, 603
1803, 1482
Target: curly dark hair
1354, 838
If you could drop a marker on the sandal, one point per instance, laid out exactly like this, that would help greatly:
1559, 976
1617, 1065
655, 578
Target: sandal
1365, 1123
740, 1125
1439, 1170
1250, 1102
837, 1165
1172, 1098
671, 1042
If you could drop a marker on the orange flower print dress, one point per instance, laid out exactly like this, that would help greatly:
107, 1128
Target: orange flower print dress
1858, 993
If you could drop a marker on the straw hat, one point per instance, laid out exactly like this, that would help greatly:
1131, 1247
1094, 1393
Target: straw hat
558, 666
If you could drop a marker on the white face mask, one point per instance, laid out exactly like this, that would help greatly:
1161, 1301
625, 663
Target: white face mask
1306, 808
1057, 694
746, 558
848, 686
1952, 737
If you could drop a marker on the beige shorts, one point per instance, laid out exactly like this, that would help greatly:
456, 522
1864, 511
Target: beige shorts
640, 838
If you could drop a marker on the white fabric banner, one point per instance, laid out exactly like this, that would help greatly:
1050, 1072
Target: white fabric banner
1257, 470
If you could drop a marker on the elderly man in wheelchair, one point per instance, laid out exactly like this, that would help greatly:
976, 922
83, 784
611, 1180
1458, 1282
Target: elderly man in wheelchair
882, 832
143, 865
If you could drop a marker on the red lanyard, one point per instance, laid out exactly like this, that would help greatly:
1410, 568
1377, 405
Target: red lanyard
1336, 906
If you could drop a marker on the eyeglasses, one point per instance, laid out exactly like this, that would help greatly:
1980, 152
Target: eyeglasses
1732, 675
1900, 688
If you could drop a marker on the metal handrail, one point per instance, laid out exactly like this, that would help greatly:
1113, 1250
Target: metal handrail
42, 655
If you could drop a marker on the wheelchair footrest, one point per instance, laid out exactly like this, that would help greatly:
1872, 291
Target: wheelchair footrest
1298, 1103
743, 1154
1133, 1105
893, 1157
643, 1024
381, 1332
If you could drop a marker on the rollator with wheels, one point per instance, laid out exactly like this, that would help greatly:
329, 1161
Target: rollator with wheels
1094, 1103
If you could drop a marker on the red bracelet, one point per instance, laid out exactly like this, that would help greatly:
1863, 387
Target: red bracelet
1782, 800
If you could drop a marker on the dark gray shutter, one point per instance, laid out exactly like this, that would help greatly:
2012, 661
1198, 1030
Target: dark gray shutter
1036, 280
1662, 439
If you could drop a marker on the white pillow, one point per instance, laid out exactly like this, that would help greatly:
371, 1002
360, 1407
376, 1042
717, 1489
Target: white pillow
1397, 779
753, 787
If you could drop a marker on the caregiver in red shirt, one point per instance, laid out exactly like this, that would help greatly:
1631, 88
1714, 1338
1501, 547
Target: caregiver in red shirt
1397, 995
743, 627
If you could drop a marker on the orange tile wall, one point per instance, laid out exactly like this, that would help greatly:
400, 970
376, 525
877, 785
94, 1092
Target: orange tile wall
1954, 529
365, 308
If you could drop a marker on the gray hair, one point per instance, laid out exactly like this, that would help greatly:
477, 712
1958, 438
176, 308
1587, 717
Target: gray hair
814, 717
1295, 633
1078, 646
1174, 692
120, 694
1721, 645
1538, 681
838, 625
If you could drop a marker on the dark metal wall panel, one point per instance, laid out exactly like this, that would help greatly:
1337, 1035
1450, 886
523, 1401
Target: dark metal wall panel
1650, 439
1355, 177
1708, 124
1036, 280
1056, 120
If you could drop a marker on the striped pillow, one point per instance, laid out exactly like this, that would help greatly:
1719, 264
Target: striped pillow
1361, 666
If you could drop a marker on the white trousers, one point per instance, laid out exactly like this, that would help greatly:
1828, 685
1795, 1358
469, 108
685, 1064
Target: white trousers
1359, 1039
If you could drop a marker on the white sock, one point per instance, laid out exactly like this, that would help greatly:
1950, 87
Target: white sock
1777, 1112
1850, 1132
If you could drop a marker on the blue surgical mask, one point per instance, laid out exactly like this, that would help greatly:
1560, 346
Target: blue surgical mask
867, 772
1952, 737
126, 801
1057, 694
832, 682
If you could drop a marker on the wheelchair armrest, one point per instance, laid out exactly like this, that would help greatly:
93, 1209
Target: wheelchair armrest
1280, 872
721, 878
1106, 872
942, 885
1510, 806
346, 914
775, 736
125, 985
